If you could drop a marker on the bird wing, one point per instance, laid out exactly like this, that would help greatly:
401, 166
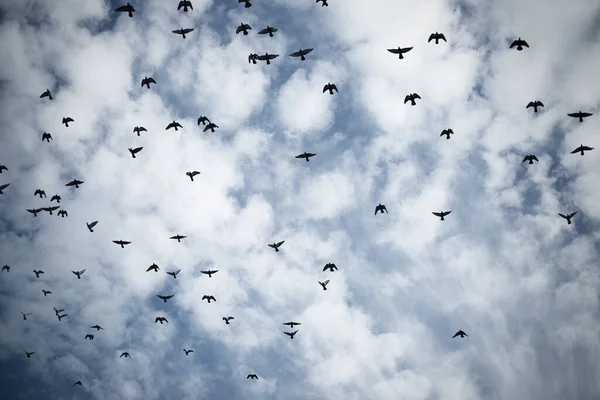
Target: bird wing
586, 148
178, 31
168, 297
204, 297
239, 29
524, 43
81, 272
93, 224
280, 243
586, 114
407, 98
431, 37
416, 96
531, 104
534, 158
572, 214
563, 215
122, 8
264, 31
334, 87
306, 51
446, 213
296, 54
441, 36
325, 88
394, 51
514, 43
188, 30
137, 150
577, 150
437, 214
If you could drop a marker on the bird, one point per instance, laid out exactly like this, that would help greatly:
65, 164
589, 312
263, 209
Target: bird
50, 209
60, 317
187, 352
161, 320
324, 284
47, 137
173, 273
37, 273
3, 168
25, 315
535, 104
134, 151
267, 57
89, 336
243, 28
437, 36
301, 53
46, 94
63, 213
79, 382
581, 149
91, 225
530, 158
411, 97
147, 81
6, 268
153, 267
125, 354
211, 126
276, 246
209, 298
568, 217
447, 132
185, 4
330, 267
291, 324
227, 319
139, 129
75, 182
39, 192
324, 3
210, 272
268, 30
175, 125
165, 298
460, 333
126, 8
291, 334
248, 4
252, 58
400, 51
34, 211
203, 120
519, 43
46, 292
2, 187
178, 237
251, 376
306, 155
331, 87
29, 354
97, 327
182, 31
57, 198
78, 273
66, 121
580, 115
380, 207
192, 174
441, 214
121, 243
58, 311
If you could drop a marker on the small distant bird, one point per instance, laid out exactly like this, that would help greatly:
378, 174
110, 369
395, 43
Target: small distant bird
175, 125
161, 320
173, 273
187, 352
47, 137
34, 211
291, 334
324, 3
178, 237
568, 217
6, 268
46, 94
411, 97
46, 292
128, 8
25, 315
135, 151
248, 4
306, 155
210, 272
185, 4
182, 31
211, 126
89, 336
165, 298
153, 267
75, 182
519, 43
330, 266
535, 104
580, 115
530, 158
581, 149
39, 192
37, 273
121, 243
243, 28
301, 53
400, 51
147, 81
58, 311
447, 132
252, 58
139, 129
192, 174
267, 57
79, 382
268, 30
204, 120
460, 333
78, 273
97, 327
227, 319
276, 246
91, 225
291, 324
251, 376
56, 197
380, 207
2, 187
331, 87
50, 209
125, 354
324, 284
441, 214
66, 121
60, 317
209, 298
3, 168
63, 213
29, 354
437, 36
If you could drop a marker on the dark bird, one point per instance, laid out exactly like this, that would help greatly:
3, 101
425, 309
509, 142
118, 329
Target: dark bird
174, 273
3, 168
39, 192
211, 126
50, 209
380, 207
204, 120
185, 4
63, 213
243, 28
66, 121
330, 267
165, 298
306, 155
301, 53
89, 336
460, 333
29, 354
178, 237
121, 243
324, 3
411, 97
276, 246
161, 320
128, 8
291, 324
252, 58
78, 273
97, 327
268, 57
2, 187
568, 217
331, 87
447, 132
153, 267
268, 30
46, 94
182, 31
56, 197
79, 382
34, 211
209, 298
324, 284
291, 334
192, 174
47, 137
519, 43
175, 125
60, 317
91, 225
530, 158
437, 36
147, 81
248, 4
125, 354
580, 115
400, 51
187, 352
134, 151
535, 104
25, 315
139, 129
227, 319
581, 149
210, 272
46, 292
37, 273
251, 376
75, 182
6, 268
58, 311
441, 214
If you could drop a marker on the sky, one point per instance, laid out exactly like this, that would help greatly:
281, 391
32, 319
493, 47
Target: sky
503, 267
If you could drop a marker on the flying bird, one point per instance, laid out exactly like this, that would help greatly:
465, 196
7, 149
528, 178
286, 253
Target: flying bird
38, 273
441, 214
175, 125
210, 272
173, 273
153, 267
128, 8
580, 115
411, 97
47, 137
97, 327
56, 197
25, 315
187, 352
3, 168
331, 87
79, 382
227, 319
248, 4
185, 4
447, 132
267, 57
39, 192
530, 158
182, 31
400, 51
437, 36
34, 211
63, 213
50, 209
6, 268
60, 317
178, 237
89, 336
78, 273
125, 354
268, 30
330, 267
46, 292
291, 324
139, 129
204, 120
211, 126
121, 243
91, 225
380, 207
568, 217
251, 376
306, 155
2, 187
276, 246
291, 334
75, 182
46, 94
209, 298
535, 104
58, 311
165, 298
29, 354
192, 174
161, 320
147, 81
134, 151
301, 53
324, 284
581, 149
324, 3
460, 333
519, 43
252, 58
243, 28
66, 121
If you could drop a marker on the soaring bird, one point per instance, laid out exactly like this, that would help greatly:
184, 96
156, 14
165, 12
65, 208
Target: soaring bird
441, 214
301, 53
75, 182
210, 272
530, 158
57, 198
437, 36
2, 187
324, 284
268, 30
568, 217
125, 354
291, 334
79, 382
46, 94
139, 129
89, 336
267, 57
174, 273
182, 31
276, 246
6, 268
187, 352
400, 51
460, 333
185, 4
134, 151
165, 298
211, 126
192, 174
47, 137
330, 267
147, 81
60, 317
161, 320
306, 155
63, 213
25, 315
519, 43
153, 267
29, 354
251, 376
78, 273
447, 132
227, 319
91, 225
291, 324
580, 115
243, 28
411, 97
121, 243
34, 211
209, 298
178, 237
581, 149
38, 273
248, 4
58, 311
252, 58
128, 8
97, 327
380, 207
39, 192
331, 87
66, 121
324, 3
3, 168
204, 120
535, 104
46, 292
50, 209
175, 125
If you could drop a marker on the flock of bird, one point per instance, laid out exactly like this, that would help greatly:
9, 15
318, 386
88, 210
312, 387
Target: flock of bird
208, 125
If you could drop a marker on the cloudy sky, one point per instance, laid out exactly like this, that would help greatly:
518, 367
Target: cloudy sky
503, 266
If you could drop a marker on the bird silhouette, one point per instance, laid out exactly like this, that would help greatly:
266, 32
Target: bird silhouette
252, 58
50, 209
460, 333
437, 36
4, 186
447, 132
530, 158
78, 273
91, 225
57, 198
519, 43
580, 115
185, 4
301, 53
153, 267
400, 51
291, 334
441, 214
291, 324
6, 268
331, 87
139, 129
211, 126
227, 319
306, 155
161, 320
29, 354
66, 121
324, 3
46, 292
34, 211
210, 272
39, 192
568, 216
128, 8
78, 383
97, 327
174, 125
25, 315
535, 104
267, 57
38, 273
89, 336
63, 213
192, 174
248, 4
47, 137
60, 317
125, 354
276, 246
380, 207
173, 273
165, 298
324, 284
411, 97
46, 94
183, 32
58, 311
3, 168
187, 352
147, 81
178, 237
209, 298
134, 151
330, 266
204, 120
268, 30
581, 149
251, 376
75, 182
243, 28
121, 243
